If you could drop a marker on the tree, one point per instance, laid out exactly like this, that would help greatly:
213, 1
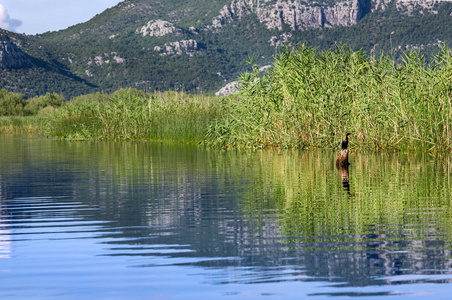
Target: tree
11, 104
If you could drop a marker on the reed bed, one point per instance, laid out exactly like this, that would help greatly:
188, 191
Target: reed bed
15, 125
311, 99
134, 115
307, 99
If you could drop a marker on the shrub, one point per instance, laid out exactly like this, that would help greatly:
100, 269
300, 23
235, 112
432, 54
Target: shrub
11, 104
34, 105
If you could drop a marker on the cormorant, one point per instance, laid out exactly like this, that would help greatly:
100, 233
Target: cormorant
345, 141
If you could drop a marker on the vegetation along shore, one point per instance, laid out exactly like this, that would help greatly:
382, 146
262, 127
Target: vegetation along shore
307, 99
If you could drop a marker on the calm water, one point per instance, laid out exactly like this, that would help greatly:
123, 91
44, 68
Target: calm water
95, 220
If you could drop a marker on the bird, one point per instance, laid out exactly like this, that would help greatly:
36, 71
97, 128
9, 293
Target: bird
345, 141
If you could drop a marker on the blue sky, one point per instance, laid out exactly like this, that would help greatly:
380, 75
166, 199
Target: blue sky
39, 16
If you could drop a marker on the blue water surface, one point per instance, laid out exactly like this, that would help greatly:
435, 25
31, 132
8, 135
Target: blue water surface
141, 220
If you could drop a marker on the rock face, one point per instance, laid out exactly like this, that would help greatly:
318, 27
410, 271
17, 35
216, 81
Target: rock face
11, 56
189, 47
408, 6
297, 14
106, 59
304, 15
230, 88
157, 28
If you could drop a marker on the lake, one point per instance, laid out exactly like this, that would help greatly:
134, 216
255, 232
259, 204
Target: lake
142, 220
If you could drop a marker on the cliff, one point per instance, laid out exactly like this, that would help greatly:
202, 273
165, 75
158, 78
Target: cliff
298, 15
304, 15
11, 56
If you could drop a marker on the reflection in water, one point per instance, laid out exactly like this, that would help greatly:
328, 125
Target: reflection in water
5, 243
5, 234
175, 220
342, 164
343, 173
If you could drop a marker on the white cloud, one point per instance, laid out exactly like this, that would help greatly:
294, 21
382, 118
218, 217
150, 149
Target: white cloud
5, 20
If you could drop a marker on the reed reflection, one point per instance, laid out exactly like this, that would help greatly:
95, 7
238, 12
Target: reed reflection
263, 209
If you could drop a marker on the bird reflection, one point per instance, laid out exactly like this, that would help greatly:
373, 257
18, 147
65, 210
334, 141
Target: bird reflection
343, 172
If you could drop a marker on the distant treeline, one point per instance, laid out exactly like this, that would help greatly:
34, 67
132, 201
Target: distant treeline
307, 99
14, 104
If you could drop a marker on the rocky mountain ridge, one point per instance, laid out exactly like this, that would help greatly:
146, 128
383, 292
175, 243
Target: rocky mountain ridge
285, 16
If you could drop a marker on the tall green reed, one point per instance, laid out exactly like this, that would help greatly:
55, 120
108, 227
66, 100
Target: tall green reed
133, 115
20, 125
311, 98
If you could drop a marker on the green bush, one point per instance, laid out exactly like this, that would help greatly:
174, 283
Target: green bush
34, 105
11, 104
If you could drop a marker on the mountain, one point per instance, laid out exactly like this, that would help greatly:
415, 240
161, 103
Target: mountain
202, 45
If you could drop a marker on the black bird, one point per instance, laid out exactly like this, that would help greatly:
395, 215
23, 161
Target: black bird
345, 141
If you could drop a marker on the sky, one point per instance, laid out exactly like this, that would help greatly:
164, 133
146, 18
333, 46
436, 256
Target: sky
39, 16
